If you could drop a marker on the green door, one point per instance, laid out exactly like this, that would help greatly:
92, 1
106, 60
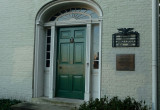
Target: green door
71, 62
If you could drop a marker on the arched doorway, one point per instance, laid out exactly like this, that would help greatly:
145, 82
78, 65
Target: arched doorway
68, 50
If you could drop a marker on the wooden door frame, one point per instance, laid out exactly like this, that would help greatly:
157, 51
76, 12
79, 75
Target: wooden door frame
52, 70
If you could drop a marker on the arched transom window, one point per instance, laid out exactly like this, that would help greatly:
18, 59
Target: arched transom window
74, 14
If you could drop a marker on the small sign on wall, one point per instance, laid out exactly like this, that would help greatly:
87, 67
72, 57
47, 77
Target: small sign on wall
125, 38
125, 62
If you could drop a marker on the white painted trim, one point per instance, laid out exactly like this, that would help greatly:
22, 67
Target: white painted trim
100, 58
90, 3
88, 64
51, 23
78, 22
38, 85
74, 22
55, 62
39, 23
52, 71
52, 63
36, 63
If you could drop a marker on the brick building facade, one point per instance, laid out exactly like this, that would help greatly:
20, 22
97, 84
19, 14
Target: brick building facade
26, 70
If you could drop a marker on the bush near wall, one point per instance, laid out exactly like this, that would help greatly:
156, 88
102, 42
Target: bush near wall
114, 104
5, 104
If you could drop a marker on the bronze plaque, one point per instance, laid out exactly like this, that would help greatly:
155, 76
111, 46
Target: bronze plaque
125, 62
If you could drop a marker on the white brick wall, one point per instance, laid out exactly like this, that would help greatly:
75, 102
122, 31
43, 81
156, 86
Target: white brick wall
17, 24
127, 14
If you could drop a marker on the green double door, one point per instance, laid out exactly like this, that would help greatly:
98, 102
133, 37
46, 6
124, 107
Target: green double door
71, 62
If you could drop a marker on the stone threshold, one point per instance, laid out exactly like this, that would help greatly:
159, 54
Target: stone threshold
58, 101
33, 106
44, 103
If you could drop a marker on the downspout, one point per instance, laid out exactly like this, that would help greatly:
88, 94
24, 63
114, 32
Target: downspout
154, 52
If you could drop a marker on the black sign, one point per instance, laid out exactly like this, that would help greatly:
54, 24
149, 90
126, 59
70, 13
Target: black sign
125, 38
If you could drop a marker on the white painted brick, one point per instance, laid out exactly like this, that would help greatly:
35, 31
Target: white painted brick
17, 47
17, 29
127, 14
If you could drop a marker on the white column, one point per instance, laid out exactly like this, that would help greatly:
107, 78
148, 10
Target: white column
88, 64
100, 58
52, 70
36, 61
38, 71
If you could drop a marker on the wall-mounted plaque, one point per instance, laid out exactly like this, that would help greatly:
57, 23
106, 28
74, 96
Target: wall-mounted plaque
125, 62
125, 38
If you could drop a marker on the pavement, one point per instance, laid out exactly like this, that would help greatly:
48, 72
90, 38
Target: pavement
33, 106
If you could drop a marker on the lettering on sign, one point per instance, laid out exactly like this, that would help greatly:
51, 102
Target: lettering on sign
125, 62
125, 38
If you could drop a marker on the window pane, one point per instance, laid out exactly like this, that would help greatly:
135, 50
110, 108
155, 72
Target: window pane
95, 42
96, 65
47, 63
74, 14
48, 47
48, 39
48, 32
48, 55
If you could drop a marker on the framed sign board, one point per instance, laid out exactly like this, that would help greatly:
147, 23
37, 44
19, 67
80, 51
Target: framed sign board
125, 62
125, 38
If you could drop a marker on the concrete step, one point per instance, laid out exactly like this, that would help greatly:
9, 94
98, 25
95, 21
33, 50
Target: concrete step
58, 101
33, 106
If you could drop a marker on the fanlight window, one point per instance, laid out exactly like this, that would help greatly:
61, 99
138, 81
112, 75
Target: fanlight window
74, 14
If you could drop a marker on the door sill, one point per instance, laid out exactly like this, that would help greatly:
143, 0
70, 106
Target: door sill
58, 101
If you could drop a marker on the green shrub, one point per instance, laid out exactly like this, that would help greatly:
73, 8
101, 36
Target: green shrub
114, 104
5, 104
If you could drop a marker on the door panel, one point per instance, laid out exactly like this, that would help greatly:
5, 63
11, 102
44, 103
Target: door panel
70, 65
78, 53
77, 85
64, 53
79, 33
63, 82
65, 34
